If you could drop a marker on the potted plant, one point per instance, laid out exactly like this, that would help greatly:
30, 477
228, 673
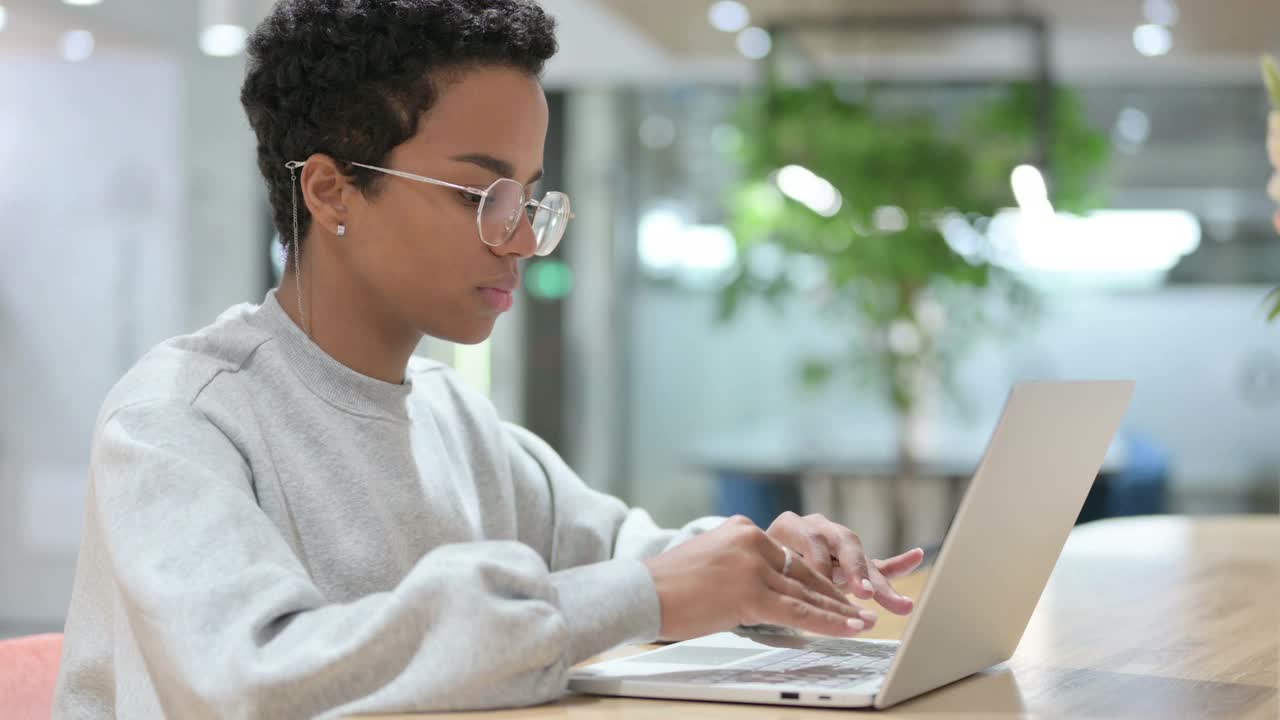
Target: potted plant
1271, 76
888, 208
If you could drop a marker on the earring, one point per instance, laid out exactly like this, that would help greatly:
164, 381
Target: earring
342, 230
293, 166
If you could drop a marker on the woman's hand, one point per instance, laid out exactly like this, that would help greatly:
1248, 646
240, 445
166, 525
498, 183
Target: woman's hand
835, 552
738, 575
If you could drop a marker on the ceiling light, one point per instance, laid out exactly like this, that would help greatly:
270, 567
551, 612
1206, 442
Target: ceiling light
4, 17
1104, 241
667, 245
223, 40
809, 189
1133, 126
755, 43
1152, 40
729, 16
1030, 191
76, 45
81, 3
222, 33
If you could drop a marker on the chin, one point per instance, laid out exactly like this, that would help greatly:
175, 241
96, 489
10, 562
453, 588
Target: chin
475, 339
473, 334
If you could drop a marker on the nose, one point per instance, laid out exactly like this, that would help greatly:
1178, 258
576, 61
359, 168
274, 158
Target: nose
523, 242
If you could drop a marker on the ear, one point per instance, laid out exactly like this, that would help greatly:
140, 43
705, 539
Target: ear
324, 189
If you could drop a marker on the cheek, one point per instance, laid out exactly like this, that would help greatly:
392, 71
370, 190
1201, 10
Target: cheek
428, 250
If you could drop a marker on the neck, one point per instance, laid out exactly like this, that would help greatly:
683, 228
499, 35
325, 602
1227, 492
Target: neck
349, 324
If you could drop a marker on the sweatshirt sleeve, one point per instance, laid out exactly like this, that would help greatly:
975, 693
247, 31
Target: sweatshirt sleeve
587, 526
229, 624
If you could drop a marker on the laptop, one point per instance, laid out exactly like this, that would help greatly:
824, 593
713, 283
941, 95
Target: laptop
994, 563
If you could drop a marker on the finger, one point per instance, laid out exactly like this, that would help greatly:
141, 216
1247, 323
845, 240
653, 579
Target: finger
792, 612
900, 565
889, 598
775, 553
807, 576
820, 558
804, 535
798, 590
853, 562
818, 554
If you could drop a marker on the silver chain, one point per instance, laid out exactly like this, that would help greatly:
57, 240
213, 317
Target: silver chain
297, 267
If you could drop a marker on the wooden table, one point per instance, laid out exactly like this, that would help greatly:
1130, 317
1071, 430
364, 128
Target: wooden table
1161, 618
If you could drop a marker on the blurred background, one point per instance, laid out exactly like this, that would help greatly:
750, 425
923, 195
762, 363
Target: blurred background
817, 241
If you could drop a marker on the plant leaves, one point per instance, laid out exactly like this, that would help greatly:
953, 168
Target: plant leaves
896, 170
816, 372
1274, 297
1271, 76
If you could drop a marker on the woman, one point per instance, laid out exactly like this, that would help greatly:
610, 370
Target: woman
291, 516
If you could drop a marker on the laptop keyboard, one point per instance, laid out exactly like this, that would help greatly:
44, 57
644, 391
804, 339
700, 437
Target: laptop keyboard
831, 664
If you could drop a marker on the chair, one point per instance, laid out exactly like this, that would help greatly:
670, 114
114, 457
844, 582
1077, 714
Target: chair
28, 674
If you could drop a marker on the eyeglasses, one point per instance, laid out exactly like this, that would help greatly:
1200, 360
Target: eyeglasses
499, 208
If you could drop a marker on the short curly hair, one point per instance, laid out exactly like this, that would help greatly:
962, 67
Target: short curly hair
352, 78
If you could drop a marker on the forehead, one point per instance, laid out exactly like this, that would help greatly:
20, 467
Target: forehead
501, 112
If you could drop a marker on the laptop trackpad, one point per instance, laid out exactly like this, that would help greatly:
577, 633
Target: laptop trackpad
697, 655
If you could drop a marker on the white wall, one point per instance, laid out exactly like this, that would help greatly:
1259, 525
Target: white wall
91, 205
130, 212
1207, 366
225, 229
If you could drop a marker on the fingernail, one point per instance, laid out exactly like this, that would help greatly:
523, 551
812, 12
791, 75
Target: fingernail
855, 625
868, 615
838, 577
866, 585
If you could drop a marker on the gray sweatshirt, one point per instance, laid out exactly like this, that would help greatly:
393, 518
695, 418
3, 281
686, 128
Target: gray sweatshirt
271, 534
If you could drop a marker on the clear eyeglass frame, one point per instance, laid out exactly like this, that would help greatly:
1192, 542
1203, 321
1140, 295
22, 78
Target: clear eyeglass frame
504, 201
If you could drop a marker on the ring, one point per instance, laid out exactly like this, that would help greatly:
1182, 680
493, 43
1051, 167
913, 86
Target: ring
786, 564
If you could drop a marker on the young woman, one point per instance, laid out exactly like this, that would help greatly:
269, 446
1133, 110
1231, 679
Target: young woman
290, 515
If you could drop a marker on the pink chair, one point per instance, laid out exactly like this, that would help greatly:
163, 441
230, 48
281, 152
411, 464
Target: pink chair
28, 673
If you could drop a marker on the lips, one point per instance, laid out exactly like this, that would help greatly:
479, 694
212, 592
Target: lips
499, 294
497, 298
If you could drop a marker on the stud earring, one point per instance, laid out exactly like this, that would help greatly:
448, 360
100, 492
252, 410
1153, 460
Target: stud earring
342, 231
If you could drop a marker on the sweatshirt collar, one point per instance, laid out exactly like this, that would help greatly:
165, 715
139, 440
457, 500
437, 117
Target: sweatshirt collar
328, 378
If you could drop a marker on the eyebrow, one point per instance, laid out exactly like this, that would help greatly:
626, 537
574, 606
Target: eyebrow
495, 165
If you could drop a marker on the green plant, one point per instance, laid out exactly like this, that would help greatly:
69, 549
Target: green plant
915, 303
1271, 78
891, 276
